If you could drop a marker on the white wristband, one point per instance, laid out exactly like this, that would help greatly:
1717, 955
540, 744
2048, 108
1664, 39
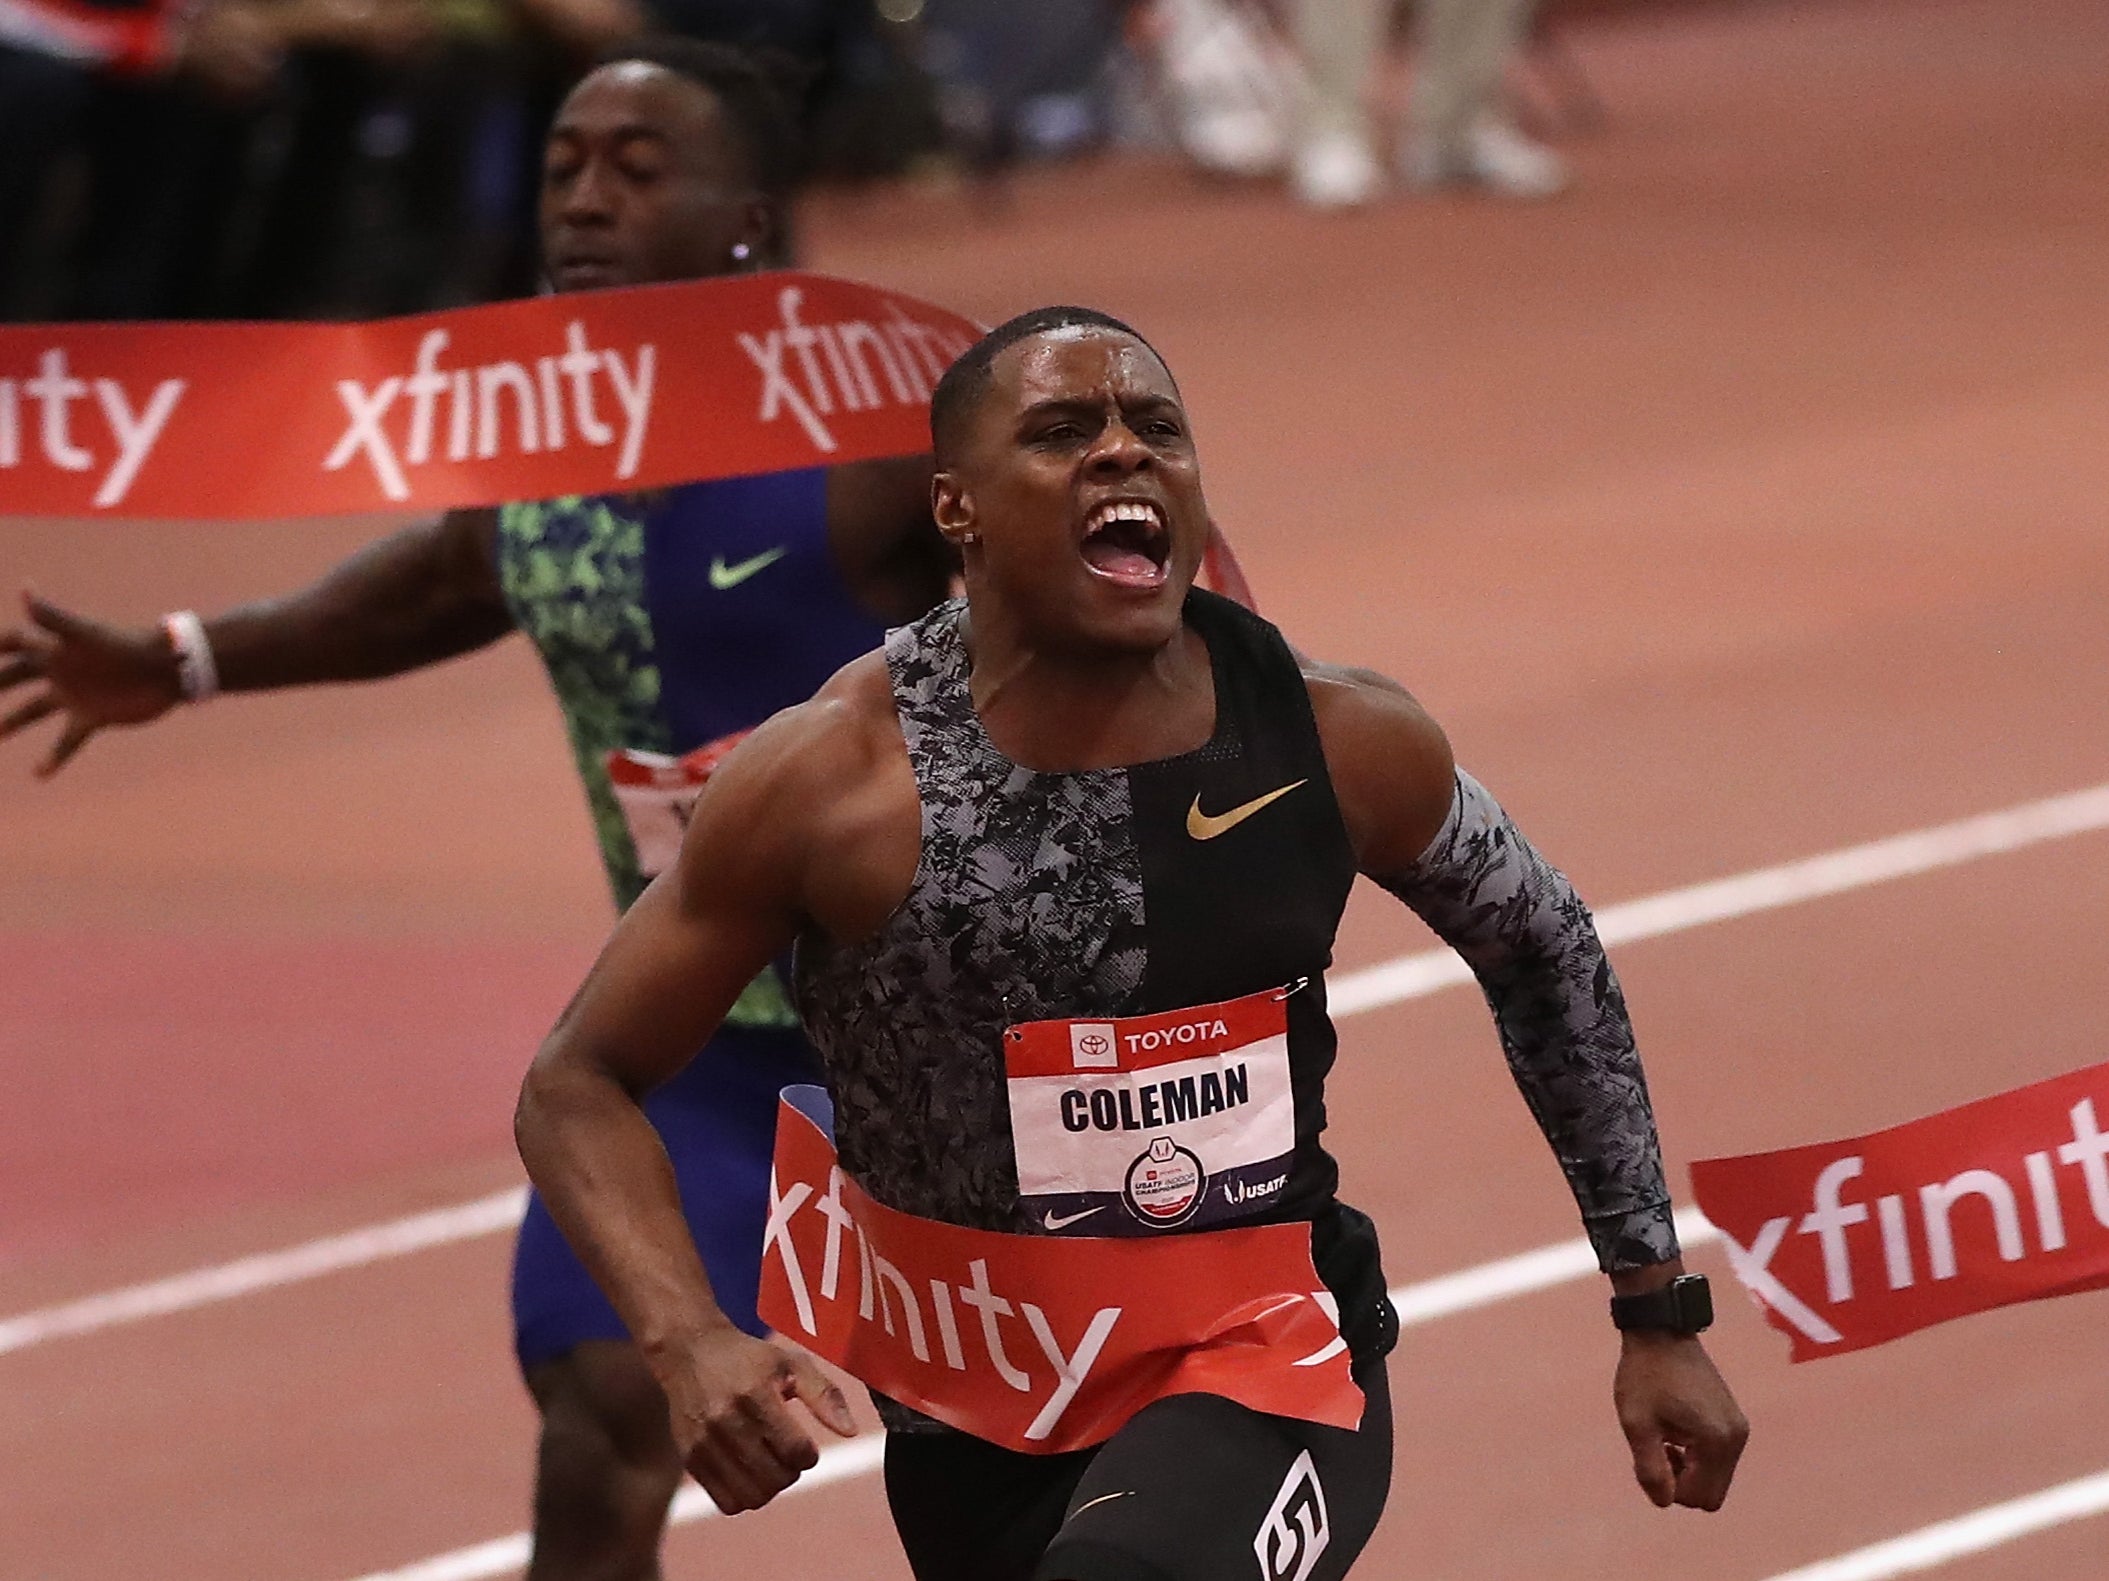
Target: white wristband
197, 676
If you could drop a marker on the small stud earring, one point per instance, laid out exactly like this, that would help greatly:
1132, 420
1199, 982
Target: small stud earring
970, 537
741, 252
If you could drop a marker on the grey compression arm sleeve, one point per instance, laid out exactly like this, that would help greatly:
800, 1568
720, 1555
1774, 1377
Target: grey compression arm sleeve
1533, 946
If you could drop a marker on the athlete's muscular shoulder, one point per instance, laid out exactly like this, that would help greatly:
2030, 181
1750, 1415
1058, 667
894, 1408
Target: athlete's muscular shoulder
1390, 763
817, 812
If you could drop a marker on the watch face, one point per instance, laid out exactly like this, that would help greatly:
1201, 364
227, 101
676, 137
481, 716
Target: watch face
1695, 1303
1683, 1306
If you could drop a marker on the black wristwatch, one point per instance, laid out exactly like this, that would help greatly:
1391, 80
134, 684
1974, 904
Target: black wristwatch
1683, 1306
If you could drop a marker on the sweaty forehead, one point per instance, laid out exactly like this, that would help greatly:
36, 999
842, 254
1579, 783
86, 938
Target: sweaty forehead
1081, 362
638, 95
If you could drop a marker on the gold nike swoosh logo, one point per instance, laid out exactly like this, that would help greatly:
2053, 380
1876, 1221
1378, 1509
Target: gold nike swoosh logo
1203, 827
723, 576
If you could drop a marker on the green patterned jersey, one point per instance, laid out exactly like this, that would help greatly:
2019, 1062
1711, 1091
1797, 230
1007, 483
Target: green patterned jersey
573, 571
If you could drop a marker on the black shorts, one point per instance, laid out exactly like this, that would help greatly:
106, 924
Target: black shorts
1195, 1488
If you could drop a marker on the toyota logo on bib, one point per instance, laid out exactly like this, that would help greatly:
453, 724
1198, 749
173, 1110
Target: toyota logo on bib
1165, 1184
1092, 1046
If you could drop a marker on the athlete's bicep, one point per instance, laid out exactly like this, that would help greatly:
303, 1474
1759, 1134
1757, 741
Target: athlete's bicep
699, 934
663, 983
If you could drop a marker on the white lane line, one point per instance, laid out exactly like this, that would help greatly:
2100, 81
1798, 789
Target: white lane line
266, 1271
1521, 1275
1930, 1547
1765, 889
504, 1555
1424, 1302
1348, 993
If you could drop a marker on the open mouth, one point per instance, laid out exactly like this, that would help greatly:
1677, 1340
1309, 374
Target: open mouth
1127, 542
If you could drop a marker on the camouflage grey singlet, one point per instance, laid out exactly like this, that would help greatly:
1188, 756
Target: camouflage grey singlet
1044, 896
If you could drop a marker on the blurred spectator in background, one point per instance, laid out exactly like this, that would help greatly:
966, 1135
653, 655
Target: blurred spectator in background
1244, 104
285, 158
1231, 89
191, 162
54, 57
1335, 164
1018, 81
1459, 130
1461, 133
350, 158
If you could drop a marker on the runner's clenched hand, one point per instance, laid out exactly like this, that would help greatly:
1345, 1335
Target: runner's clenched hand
729, 1400
1685, 1427
94, 675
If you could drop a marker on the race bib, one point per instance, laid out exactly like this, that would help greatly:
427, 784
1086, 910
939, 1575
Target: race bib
1159, 1122
1039, 1343
657, 793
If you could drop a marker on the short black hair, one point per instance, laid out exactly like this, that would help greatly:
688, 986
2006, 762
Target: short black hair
760, 89
967, 380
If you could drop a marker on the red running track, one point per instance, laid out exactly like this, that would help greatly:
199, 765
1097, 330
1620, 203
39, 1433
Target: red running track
1744, 506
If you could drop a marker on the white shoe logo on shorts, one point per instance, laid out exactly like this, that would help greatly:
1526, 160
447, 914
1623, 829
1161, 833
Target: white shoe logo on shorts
1068, 1219
1296, 1530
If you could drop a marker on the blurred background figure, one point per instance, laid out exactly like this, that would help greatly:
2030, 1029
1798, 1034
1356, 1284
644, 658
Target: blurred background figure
1231, 88
325, 158
62, 60
1013, 82
1336, 164
1459, 130
355, 158
1251, 89
203, 162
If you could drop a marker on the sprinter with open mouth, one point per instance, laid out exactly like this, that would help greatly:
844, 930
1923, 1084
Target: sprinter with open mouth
1063, 866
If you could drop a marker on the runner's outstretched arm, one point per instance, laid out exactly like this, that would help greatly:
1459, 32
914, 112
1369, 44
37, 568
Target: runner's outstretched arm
747, 881
416, 597
1432, 835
